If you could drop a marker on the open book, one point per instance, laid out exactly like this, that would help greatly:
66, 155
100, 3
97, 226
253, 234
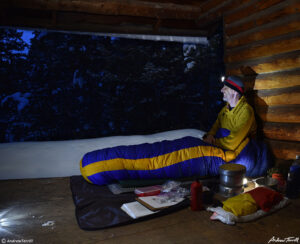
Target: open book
158, 202
136, 210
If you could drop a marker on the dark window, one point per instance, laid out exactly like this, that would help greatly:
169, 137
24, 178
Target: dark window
57, 86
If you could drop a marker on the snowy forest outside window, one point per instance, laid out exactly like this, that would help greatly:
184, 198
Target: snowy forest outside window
58, 86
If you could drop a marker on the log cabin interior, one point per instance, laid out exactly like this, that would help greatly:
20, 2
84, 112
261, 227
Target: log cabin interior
261, 44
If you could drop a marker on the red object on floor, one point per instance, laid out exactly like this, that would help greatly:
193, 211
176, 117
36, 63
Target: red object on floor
196, 196
265, 198
148, 191
281, 181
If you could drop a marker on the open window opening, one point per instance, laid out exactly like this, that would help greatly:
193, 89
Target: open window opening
59, 85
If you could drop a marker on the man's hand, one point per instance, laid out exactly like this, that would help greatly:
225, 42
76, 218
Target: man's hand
209, 139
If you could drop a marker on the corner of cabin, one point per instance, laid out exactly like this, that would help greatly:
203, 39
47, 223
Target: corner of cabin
263, 46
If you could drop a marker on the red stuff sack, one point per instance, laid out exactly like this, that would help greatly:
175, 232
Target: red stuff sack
147, 191
265, 198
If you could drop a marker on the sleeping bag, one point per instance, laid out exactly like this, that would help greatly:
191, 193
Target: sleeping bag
180, 158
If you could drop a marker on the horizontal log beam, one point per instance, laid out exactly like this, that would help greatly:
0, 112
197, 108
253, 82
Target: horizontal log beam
195, 3
111, 7
208, 5
219, 10
82, 22
281, 96
265, 65
281, 27
282, 44
281, 163
250, 9
280, 114
282, 131
283, 149
286, 8
274, 80
79, 18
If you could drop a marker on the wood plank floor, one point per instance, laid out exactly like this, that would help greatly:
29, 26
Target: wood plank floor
42, 211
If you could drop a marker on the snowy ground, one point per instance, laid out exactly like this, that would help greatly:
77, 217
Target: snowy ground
22, 160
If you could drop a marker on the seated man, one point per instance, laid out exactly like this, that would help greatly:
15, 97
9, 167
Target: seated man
227, 141
236, 121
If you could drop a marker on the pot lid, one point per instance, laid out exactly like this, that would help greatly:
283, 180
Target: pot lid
232, 169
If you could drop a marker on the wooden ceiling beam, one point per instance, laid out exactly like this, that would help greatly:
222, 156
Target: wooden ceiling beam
171, 17
161, 10
195, 3
82, 22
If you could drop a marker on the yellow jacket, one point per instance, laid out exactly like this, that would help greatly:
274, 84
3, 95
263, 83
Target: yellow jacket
232, 127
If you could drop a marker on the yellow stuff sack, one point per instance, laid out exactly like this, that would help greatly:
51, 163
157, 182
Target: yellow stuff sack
240, 205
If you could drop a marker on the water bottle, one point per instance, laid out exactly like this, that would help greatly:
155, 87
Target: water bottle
196, 196
293, 181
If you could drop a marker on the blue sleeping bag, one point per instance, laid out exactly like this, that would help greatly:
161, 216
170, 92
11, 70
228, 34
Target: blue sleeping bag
179, 158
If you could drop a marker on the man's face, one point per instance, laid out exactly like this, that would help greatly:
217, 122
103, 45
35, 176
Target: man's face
227, 93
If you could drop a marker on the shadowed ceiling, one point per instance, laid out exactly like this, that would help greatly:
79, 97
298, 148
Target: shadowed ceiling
158, 17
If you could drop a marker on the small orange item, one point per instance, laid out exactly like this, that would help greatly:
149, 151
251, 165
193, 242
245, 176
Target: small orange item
281, 181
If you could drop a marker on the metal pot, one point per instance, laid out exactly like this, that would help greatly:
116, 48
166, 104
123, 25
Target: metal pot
230, 191
232, 175
266, 181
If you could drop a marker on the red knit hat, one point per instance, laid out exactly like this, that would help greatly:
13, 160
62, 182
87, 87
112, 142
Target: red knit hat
235, 83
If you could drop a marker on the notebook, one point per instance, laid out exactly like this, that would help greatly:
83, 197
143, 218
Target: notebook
136, 210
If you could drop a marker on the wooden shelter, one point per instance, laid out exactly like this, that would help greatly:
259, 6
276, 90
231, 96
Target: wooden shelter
262, 44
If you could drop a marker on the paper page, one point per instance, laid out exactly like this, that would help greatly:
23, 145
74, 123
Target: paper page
135, 209
160, 201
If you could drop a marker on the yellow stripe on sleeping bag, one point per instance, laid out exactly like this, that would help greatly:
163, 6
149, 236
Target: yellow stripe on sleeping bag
152, 163
82, 172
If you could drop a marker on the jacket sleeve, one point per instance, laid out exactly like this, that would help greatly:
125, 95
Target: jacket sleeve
216, 125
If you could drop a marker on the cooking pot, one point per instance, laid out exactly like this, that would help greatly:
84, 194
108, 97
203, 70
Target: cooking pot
266, 181
230, 191
232, 175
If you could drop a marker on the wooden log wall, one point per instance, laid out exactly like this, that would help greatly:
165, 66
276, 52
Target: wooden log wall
262, 44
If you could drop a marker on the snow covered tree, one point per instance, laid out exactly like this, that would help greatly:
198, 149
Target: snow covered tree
12, 73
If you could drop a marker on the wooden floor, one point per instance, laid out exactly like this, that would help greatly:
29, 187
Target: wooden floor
42, 211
